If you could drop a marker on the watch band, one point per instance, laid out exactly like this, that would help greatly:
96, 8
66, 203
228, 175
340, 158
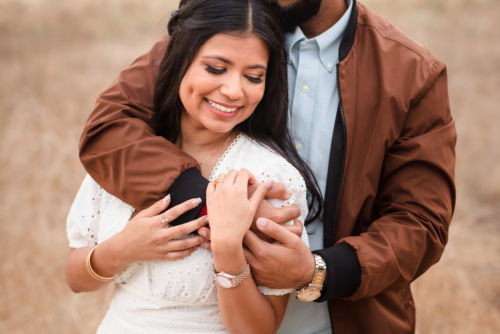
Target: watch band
319, 272
312, 291
226, 280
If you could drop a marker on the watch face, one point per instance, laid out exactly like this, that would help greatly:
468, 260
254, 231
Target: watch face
309, 295
224, 282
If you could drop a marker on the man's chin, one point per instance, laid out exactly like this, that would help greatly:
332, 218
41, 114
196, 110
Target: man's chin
299, 12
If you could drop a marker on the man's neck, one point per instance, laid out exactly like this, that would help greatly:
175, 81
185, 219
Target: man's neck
329, 13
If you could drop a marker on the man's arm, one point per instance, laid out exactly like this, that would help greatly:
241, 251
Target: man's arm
120, 150
414, 205
415, 200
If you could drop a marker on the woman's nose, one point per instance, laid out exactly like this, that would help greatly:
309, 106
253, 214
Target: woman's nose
232, 87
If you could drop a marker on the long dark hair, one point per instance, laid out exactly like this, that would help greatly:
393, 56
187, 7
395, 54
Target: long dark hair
190, 27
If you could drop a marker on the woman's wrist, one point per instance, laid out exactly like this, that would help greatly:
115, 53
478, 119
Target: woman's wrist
222, 245
228, 258
109, 258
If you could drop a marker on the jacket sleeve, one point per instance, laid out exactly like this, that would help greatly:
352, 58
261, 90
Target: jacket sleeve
120, 150
416, 196
413, 207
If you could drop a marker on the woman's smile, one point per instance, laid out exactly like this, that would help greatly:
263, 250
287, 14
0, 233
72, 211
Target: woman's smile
224, 83
223, 110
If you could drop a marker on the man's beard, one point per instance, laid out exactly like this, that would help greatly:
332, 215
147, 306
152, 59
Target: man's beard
298, 13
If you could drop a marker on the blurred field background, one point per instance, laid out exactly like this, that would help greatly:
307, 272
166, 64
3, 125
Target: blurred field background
55, 58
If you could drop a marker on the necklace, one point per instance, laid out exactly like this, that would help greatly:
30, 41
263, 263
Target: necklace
211, 156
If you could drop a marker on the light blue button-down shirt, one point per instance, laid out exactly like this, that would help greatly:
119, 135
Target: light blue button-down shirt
314, 99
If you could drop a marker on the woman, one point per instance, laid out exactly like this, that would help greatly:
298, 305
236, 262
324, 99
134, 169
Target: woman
221, 97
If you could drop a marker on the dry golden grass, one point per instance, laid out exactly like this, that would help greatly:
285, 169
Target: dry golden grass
55, 57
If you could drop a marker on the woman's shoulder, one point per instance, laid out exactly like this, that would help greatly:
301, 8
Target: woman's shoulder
262, 156
262, 161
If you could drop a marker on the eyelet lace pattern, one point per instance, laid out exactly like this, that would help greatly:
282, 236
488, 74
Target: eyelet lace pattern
172, 296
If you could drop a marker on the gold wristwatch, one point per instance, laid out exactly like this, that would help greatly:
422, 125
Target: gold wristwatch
312, 291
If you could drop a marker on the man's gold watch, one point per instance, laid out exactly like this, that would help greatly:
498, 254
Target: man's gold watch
312, 291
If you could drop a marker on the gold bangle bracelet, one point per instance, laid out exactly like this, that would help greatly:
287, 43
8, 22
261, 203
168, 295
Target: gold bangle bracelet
91, 271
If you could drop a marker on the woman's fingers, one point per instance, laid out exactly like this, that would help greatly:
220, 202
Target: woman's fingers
260, 193
186, 228
243, 178
204, 232
183, 244
156, 208
177, 210
176, 255
230, 177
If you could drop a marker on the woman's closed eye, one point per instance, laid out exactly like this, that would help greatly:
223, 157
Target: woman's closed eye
254, 79
215, 70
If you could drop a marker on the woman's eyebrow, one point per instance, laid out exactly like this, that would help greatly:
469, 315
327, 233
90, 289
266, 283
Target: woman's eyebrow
227, 61
222, 59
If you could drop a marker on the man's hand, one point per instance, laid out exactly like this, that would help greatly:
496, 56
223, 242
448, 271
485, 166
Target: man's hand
277, 191
286, 263
278, 215
296, 228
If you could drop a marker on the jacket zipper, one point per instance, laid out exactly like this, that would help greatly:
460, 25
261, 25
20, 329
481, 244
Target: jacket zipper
344, 146
338, 160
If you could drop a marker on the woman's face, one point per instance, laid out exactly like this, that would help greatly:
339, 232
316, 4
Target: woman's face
224, 83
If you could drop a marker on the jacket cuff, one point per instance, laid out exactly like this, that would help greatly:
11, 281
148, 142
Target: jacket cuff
190, 184
343, 271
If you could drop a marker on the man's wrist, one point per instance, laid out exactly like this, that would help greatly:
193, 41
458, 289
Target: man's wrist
228, 260
344, 271
313, 289
308, 273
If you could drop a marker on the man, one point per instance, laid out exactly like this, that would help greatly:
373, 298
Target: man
370, 114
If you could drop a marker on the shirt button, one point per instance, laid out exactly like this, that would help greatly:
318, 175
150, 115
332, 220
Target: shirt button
329, 66
298, 146
305, 89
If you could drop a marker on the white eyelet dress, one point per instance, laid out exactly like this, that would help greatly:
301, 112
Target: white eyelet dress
172, 296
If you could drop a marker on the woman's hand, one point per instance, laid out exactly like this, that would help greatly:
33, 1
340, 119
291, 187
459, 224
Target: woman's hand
230, 210
279, 215
149, 237
146, 237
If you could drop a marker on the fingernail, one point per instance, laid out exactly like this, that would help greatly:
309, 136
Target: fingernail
205, 245
196, 201
166, 198
202, 233
206, 219
269, 183
261, 223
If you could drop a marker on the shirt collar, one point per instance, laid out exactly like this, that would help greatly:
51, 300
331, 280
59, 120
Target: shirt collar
328, 42
293, 39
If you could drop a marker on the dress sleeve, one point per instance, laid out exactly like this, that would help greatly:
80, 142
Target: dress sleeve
293, 181
82, 224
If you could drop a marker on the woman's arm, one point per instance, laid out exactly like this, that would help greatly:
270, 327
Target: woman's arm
230, 212
146, 237
244, 309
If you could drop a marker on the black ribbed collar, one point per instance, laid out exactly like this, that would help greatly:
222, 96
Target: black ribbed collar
349, 33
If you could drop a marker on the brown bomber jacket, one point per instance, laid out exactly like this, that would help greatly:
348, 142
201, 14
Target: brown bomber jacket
390, 190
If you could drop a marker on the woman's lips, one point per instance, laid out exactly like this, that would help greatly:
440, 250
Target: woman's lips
222, 110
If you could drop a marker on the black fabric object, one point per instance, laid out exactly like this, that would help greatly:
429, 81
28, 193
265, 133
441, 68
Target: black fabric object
340, 258
189, 185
